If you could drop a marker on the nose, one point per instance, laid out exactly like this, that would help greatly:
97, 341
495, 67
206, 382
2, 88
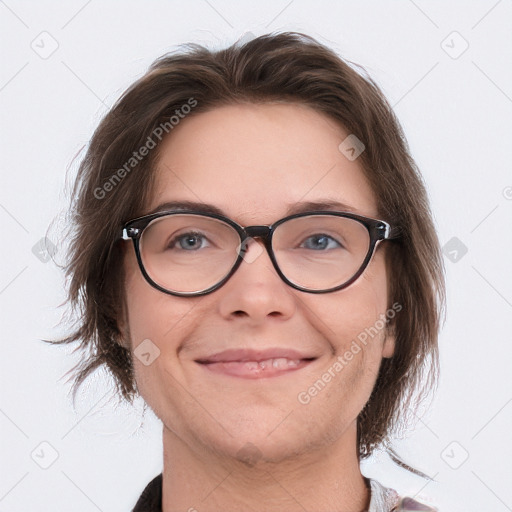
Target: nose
255, 291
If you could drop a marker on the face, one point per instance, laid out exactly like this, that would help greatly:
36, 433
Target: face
254, 162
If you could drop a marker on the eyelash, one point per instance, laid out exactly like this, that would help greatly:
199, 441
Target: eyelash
177, 239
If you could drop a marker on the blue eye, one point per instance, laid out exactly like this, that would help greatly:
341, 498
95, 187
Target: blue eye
189, 242
320, 242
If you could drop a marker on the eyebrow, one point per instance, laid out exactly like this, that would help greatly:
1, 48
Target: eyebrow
301, 207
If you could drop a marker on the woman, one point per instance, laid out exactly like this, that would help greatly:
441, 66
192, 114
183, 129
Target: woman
254, 254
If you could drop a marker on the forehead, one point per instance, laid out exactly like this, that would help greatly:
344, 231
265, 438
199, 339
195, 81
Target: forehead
255, 161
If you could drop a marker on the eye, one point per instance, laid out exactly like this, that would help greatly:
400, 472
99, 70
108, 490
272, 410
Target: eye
320, 242
191, 241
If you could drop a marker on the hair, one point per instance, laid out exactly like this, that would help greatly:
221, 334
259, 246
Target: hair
284, 67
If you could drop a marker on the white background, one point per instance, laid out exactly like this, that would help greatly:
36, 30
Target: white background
456, 113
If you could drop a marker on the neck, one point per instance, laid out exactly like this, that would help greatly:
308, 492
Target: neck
202, 480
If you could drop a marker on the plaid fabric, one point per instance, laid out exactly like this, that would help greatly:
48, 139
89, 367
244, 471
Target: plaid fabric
387, 500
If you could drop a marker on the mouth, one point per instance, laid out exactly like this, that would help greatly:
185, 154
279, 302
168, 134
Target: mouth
251, 364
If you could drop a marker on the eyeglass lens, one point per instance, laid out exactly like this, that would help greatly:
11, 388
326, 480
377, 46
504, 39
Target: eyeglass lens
191, 253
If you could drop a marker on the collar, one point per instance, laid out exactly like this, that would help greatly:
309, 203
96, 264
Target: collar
382, 499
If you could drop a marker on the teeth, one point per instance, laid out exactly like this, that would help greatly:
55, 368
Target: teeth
280, 363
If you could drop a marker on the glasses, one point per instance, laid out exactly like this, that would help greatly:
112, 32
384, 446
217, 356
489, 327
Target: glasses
189, 253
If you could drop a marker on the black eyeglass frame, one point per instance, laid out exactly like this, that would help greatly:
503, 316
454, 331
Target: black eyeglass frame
378, 230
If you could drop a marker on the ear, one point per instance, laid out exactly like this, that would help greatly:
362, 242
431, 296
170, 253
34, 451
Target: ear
388, 348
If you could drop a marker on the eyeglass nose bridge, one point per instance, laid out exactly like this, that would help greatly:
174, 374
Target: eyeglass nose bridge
262, 232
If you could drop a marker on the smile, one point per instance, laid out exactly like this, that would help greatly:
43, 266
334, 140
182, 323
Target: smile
255, 364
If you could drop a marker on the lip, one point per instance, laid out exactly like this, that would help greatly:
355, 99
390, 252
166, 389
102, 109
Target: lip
241, 355
254, 364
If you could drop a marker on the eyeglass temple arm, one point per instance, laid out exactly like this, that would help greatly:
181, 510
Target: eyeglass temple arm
126, 234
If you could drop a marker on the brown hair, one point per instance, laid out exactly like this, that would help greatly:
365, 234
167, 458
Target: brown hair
289, 67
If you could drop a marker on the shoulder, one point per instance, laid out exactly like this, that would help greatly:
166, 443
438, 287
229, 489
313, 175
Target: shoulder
386, 499
151, 498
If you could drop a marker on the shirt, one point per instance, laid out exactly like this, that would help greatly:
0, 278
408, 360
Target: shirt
382, 499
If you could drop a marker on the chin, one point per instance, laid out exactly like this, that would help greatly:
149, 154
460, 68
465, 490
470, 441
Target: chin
255, 452
264, 442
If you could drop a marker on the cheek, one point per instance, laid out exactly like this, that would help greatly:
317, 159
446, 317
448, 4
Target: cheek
350, 313
352, 321
151, 314
157, 322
